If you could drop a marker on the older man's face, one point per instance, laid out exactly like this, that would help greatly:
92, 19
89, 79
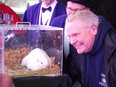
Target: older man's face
71, 7
82, 38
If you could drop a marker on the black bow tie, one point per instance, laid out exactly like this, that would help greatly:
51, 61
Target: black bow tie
45, 9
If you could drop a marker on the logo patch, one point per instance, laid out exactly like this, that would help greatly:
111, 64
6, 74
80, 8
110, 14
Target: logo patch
103, 82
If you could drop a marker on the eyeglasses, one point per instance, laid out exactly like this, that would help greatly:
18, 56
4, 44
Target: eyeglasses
71, 9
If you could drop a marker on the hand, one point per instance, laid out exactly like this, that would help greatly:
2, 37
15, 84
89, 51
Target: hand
6, 81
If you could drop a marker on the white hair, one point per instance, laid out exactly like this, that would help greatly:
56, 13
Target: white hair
87, 17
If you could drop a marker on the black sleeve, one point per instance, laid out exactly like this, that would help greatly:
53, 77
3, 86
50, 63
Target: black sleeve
72, 65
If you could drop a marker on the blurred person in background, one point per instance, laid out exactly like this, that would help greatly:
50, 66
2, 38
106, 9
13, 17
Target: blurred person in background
73, 5
10, 17
9, 12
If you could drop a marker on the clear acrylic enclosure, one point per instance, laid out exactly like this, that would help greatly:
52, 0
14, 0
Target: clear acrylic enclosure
32, 50
1, 51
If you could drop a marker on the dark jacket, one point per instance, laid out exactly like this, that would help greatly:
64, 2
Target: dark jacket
110, 58
59, 21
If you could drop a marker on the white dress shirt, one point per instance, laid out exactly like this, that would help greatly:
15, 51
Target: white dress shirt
45, 17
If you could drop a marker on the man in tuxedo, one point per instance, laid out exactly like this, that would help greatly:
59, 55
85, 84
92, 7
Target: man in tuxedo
43, 12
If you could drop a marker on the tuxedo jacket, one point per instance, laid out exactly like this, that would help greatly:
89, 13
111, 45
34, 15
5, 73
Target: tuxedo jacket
59, 21
32, 13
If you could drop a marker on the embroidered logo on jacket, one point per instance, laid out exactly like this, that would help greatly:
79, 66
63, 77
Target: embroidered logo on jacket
103, 82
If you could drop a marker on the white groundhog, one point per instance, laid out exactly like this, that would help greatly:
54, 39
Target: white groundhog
37, 59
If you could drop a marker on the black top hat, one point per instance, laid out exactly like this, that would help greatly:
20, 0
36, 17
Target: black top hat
88, 3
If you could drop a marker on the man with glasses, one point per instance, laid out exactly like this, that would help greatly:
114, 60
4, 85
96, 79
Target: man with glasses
73, 5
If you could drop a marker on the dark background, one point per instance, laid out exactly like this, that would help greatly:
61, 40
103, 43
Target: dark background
106, 8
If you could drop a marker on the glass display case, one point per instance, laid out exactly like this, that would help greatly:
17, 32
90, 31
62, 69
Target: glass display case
1, 51
32, 50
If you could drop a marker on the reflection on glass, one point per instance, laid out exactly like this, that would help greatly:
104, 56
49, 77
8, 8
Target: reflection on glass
35, 50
